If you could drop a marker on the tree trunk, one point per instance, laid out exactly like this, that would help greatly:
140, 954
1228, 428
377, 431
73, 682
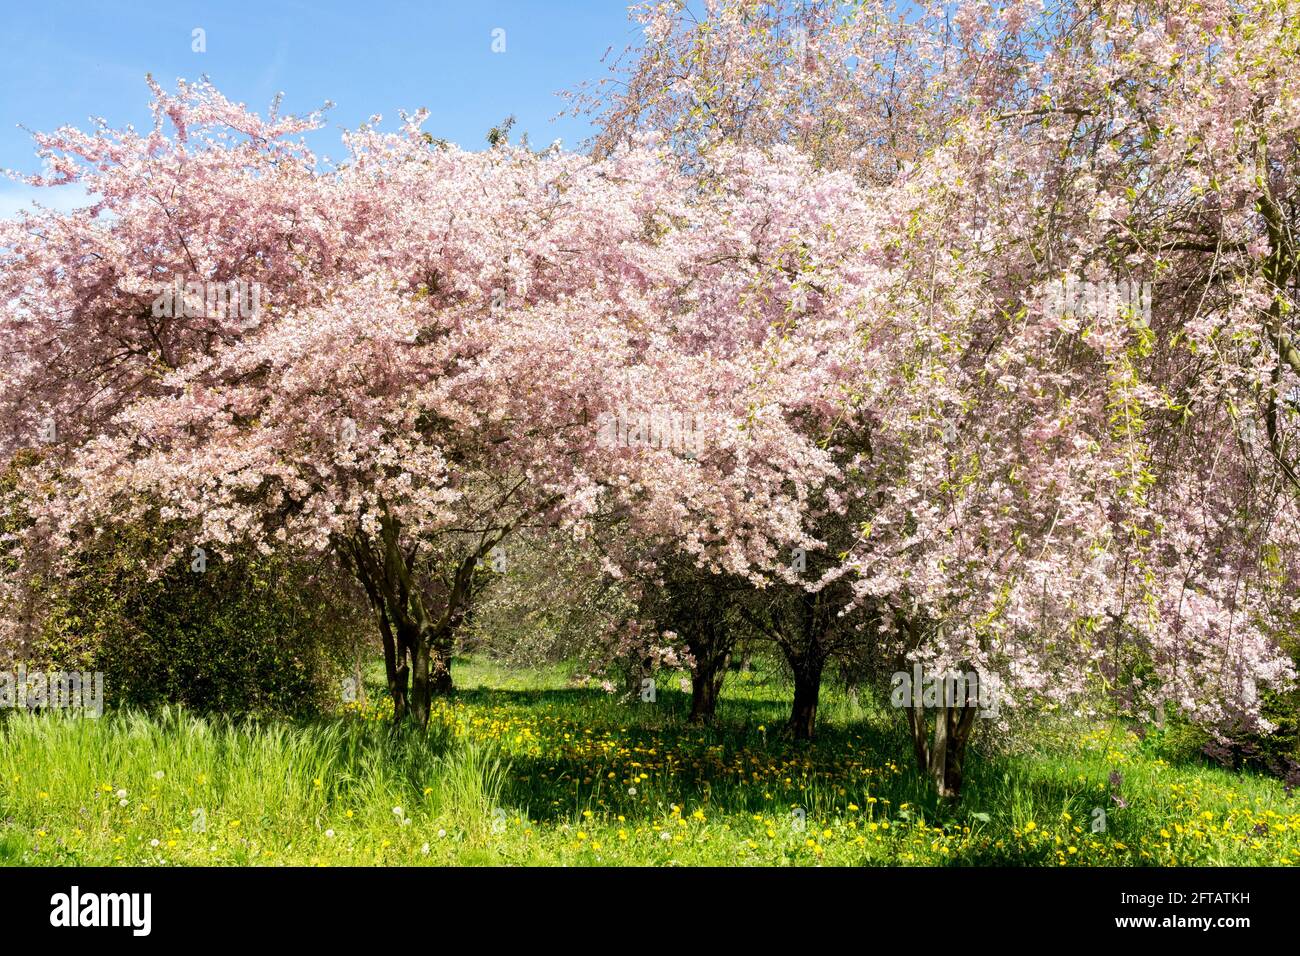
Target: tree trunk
440, 667
407, 627
430, 676
957, 722
394, 667
637, 675
807, 690
920, 730
943, 759
397, 678
442, 641
706, 687
420, 702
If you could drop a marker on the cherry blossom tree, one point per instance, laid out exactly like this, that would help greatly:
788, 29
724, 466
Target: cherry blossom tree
439, 339
1125, 147
1075, 360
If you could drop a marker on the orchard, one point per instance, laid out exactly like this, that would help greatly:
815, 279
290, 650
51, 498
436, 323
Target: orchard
941, 361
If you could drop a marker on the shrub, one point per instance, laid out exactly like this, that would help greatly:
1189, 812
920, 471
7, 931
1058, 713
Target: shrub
246, 635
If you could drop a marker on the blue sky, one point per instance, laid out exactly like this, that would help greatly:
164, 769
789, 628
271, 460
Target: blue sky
62, 62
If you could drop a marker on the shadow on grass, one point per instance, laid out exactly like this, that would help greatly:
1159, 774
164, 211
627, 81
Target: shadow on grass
733, 766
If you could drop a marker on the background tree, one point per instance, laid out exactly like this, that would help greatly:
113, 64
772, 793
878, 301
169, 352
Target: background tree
701, 609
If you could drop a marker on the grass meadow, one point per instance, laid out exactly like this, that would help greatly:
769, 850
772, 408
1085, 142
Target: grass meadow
523, 768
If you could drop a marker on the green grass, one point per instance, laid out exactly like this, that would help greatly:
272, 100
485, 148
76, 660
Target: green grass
523, 768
